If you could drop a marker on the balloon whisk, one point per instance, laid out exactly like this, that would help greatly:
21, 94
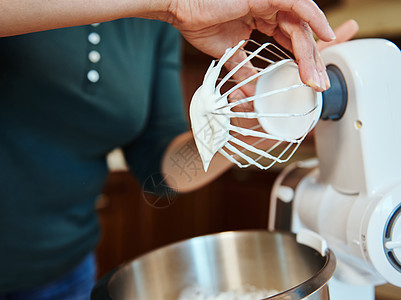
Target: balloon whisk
252, 107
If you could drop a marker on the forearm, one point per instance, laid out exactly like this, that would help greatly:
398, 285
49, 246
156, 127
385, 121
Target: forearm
182, 165
24, 16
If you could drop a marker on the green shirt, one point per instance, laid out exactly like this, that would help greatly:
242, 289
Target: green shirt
63, 107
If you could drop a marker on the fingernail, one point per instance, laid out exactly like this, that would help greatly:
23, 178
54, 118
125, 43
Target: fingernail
332, 34
322, 81
314, 82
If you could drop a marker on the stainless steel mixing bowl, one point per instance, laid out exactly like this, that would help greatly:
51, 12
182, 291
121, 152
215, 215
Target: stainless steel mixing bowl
222, 262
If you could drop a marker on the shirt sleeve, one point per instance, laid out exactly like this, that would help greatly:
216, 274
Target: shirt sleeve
167, 118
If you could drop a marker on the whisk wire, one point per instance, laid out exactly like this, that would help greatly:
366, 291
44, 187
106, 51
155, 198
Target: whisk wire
260, 134
243, 156
251, 78
277, 50
252, 149
255, 97
237, 67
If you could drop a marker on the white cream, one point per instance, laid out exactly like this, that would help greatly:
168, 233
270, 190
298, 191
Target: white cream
210, 130
245, 293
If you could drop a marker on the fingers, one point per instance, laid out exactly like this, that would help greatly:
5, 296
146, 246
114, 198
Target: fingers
296, 19
344, 32
309, 12
283, 40
312, 69
297, 33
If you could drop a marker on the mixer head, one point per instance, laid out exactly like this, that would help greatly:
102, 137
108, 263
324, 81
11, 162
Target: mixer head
255, 110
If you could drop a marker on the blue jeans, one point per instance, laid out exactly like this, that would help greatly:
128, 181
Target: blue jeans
76, 285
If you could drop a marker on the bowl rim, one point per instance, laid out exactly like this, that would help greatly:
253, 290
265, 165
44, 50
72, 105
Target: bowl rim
306, 288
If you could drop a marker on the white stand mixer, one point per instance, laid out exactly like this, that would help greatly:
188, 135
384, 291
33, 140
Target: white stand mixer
352, 198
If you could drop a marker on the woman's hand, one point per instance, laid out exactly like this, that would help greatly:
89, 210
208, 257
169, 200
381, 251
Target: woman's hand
215, 25
345, 32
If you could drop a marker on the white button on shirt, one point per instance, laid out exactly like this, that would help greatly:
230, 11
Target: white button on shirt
94, 38
94, 56
93, 76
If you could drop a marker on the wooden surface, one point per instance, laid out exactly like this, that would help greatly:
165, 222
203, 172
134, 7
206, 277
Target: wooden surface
133, 225
388, 292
